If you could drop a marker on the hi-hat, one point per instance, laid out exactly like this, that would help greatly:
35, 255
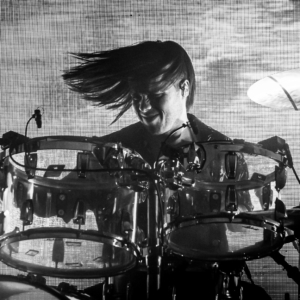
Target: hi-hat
278, 91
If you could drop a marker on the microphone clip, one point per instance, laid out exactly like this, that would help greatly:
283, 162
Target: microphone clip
38, 118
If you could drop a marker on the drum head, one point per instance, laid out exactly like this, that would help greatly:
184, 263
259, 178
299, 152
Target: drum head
218, 238
67, 253
70, 209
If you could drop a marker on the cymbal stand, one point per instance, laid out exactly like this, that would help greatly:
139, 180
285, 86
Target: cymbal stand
153, 259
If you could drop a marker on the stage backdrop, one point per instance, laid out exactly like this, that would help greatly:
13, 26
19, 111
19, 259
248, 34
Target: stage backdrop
232, 45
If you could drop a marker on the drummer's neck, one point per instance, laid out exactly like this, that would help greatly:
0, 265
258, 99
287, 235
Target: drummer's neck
180, 138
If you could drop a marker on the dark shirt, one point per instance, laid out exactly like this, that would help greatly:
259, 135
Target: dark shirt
136, 137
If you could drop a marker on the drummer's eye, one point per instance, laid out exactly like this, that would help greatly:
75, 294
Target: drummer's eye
156, 96
136, 97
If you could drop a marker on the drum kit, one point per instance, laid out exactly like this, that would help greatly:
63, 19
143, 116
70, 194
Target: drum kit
75, 207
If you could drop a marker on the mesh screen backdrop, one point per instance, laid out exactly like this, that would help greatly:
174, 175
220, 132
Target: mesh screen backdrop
232, 45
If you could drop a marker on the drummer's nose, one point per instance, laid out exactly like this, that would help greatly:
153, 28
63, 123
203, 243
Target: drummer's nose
144, 104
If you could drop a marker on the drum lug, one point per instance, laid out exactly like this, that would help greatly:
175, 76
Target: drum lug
30, 162
82, 164
27, 212
231, 203
231, 162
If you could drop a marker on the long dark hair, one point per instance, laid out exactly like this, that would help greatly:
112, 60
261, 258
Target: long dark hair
108, 78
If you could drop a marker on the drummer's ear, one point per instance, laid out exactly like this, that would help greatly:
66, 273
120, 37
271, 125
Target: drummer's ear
184, 85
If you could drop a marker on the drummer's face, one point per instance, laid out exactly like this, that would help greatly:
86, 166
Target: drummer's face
162, 110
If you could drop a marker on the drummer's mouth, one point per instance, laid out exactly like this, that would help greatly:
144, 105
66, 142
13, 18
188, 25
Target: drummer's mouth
149, 118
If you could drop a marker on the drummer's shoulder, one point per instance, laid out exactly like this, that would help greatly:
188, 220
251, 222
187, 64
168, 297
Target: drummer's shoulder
205, 132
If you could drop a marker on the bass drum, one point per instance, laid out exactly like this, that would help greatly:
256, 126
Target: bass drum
70, 207
17, 288
220, 201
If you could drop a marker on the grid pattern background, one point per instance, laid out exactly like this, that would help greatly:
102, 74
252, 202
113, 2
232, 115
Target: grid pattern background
232, 44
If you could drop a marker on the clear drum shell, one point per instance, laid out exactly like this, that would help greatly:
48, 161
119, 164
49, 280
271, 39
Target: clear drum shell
70, 207
220, 201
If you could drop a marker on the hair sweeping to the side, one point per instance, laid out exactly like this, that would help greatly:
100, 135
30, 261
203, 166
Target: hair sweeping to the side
108, 78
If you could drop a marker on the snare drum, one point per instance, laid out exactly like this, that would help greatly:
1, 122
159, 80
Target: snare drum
70, 207
219, 200
19, 288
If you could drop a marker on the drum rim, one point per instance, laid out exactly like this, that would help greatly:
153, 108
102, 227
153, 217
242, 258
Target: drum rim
67, 143
223, 218
58, 232
243, 147
239, 146
63, 184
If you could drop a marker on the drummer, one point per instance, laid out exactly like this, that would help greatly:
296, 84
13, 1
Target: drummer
157, 79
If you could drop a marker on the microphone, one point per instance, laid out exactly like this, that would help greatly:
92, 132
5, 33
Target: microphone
38, 118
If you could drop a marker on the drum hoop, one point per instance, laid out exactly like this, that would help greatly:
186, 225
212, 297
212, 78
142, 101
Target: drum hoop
244, 147
41, 286
238, 256
63, 184
56, 142
242, 218
57, 232
243, 185
66, 143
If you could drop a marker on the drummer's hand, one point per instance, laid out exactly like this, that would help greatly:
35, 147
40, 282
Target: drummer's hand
11, 137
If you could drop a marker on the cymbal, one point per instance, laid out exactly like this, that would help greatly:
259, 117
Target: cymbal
278, 91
